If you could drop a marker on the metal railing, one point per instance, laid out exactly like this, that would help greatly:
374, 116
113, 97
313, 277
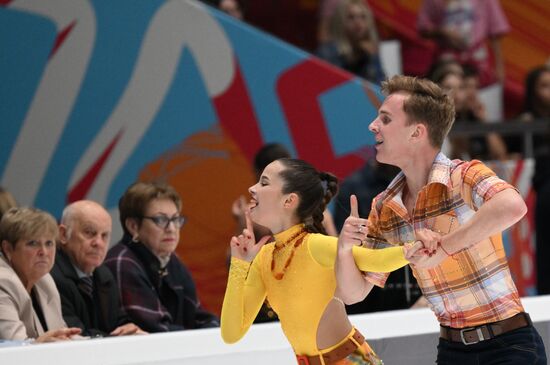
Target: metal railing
506, 128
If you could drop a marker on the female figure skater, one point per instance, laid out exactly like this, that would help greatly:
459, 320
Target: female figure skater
296, 272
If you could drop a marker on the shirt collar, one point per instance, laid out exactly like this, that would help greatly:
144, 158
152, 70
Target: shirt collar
151, 261
81, 274
439, 174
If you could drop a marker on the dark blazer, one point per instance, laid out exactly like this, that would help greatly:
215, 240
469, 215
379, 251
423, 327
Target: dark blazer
156, 299
97, 317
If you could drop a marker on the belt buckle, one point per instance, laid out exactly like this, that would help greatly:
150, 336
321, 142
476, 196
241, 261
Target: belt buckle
302, 360
479, 335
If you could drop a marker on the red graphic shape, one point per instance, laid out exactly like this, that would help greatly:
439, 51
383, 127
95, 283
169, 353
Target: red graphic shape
81, 188
299, 89
61, 36
522, 235
237, 116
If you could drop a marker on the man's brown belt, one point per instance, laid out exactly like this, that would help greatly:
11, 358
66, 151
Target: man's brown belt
472, 335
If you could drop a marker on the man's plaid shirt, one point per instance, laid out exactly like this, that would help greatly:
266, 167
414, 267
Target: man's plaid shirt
473, 286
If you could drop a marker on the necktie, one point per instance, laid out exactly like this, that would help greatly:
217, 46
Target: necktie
86, 285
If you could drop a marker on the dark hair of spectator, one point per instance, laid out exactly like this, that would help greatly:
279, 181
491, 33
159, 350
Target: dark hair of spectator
267, 154
531, 101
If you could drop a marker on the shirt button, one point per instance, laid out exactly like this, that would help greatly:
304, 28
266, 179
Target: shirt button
453, 315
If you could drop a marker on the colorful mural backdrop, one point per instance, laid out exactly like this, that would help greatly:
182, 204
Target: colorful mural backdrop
98, 94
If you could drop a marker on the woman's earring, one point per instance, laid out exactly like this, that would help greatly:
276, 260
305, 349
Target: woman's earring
135, 239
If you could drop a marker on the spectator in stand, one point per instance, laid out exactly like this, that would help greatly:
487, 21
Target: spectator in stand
157, 291
537, 98
231, 7
462, 29
326, 9
469, 111
7, 201
352, 41
365, 184
472, 102
90, 299
442, 66
30, 308
537, 107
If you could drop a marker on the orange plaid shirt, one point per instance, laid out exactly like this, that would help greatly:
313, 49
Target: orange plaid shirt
473, 286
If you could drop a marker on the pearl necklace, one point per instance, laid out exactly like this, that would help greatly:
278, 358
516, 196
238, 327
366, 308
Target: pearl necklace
299, 237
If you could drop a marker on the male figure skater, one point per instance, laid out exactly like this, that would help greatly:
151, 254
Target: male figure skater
458, 210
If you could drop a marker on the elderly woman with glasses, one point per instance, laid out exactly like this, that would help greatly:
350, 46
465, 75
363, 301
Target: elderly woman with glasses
30, 308
157, 291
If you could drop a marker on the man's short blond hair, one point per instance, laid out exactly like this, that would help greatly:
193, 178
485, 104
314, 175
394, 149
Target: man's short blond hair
426, 104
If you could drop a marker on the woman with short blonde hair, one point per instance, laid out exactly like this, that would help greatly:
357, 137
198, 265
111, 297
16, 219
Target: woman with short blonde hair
30, 307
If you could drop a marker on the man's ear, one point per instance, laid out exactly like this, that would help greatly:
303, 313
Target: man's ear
420, 131
63, 234
292, 200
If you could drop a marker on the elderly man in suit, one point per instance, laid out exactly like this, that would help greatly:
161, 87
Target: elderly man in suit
89, 293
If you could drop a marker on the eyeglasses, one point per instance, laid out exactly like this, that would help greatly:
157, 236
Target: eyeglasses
163, 221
